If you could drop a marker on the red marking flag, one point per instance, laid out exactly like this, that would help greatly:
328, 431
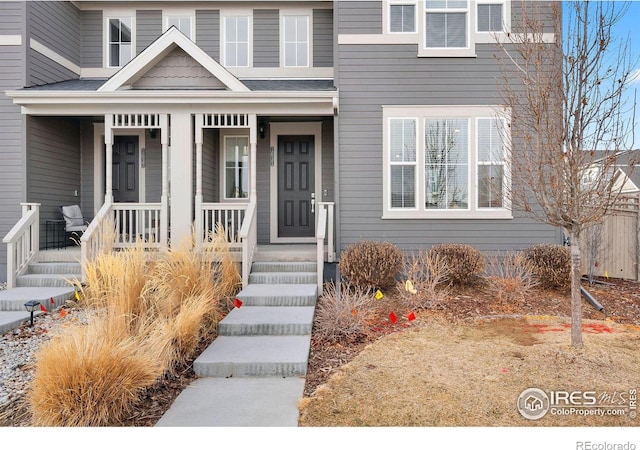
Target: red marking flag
411, 316
237, 303
63, 313
53, 302
42, 308
392, 317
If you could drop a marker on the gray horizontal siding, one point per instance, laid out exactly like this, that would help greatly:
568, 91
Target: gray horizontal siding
12, 76
92, 39
56, 25
359, 17
86, 172
148, 28
266, 38
42, 70
208, 32
323, 38
53, 165
371, 76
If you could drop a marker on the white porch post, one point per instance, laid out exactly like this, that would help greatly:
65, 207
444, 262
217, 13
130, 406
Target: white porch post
181, 178
198, 139
108, 160
164, 199
253, 142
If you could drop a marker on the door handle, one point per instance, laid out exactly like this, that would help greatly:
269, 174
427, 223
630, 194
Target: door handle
313, 203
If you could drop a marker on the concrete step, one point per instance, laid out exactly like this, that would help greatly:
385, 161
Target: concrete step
279, 295
254, 356
285, 252
69, 254
46, 280
282, 277
55, 268
281, 266
14, 299
267, 320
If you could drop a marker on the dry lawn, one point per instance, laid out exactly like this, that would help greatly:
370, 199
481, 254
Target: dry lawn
436, 373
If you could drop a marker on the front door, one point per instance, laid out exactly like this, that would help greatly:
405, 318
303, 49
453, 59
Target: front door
296, 186
125, 169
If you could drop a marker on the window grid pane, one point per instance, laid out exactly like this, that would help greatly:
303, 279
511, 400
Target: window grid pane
446, 23
119, 42
237, 41
491, 155
402, 19
489, 17
446, 164
296, 41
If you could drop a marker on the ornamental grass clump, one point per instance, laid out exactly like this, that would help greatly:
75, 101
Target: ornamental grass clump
465, 263
371, 264
425, 284
343, 313
551, 264
510, 276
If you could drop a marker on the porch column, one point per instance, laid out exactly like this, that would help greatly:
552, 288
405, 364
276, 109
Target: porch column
108, 160
181, 156
199, 118
164, 199
253, 142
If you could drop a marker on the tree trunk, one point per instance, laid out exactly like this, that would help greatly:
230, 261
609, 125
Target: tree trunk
576, 295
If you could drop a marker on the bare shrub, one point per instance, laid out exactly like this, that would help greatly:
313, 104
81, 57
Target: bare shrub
551, 263
465, 262
342, 313
510, 276
371, 264
426, 275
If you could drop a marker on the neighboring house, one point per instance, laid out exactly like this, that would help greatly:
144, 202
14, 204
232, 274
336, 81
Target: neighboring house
262, 113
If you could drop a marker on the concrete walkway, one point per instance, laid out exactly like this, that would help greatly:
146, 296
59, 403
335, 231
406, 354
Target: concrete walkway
253, 374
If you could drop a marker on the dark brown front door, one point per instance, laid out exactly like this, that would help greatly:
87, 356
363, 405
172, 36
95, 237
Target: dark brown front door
125, 169
296, 186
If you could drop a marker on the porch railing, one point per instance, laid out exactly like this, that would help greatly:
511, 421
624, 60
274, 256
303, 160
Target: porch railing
98, 238
249, 238
137, 224
229, 216
23, 242
324, 231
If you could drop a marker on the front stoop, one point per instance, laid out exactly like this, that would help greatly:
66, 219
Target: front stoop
259, 359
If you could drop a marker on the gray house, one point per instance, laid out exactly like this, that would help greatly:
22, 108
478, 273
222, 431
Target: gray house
287, 122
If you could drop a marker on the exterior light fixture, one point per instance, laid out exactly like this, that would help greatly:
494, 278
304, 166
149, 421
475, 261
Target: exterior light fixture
32, 306
261, 128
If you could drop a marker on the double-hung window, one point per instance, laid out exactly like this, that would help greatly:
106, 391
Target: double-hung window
182, 23
295, 41
120, 41
444, 162
402, 17
237, 41
490, 17
446, 24
236, 167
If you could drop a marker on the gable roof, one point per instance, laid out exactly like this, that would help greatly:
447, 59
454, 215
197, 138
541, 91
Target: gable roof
149, 58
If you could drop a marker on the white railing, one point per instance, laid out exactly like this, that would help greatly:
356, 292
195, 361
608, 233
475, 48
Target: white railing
23, 242
98, 238
229, 216
137, 224
249, 238
324, 230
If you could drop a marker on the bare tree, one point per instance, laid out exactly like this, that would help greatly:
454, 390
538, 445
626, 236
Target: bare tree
565, 102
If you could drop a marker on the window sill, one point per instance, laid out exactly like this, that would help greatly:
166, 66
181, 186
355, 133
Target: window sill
451, 214
446, 53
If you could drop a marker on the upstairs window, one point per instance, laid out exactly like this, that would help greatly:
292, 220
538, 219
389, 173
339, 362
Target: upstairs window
490, 17
182, 23
446, 23
236, 41
402, 18
120, 41
296, 41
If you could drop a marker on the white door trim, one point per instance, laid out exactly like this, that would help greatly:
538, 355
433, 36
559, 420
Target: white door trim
99, 161
292, 129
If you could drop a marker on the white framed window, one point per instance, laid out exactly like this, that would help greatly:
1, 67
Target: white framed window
236, 42
184, 23
446, 24
402, 17
491, 162
490, 17
444, 162
120, 41
295, 41
236, 167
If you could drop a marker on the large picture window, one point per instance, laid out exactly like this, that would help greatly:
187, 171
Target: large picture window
236, 167
444, 162
236, 41
120, 41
